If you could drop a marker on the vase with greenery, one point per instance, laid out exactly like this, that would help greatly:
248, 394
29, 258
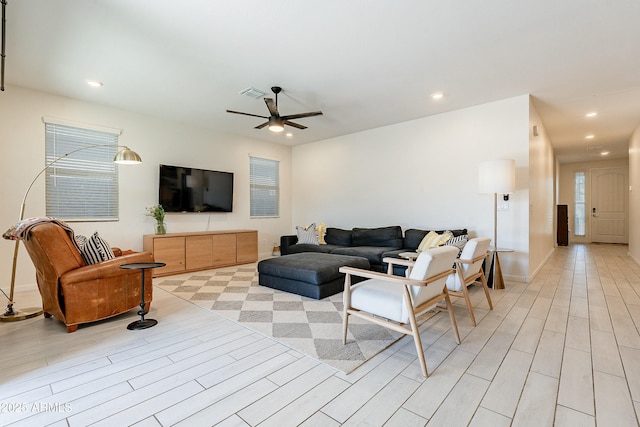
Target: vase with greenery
157, 212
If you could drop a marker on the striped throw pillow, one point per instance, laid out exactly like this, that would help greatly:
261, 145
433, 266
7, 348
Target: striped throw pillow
307, 235
94, 249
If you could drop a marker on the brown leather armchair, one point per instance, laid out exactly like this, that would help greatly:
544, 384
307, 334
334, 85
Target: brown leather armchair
77, 293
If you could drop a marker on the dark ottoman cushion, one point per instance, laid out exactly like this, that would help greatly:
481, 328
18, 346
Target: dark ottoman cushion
310, 274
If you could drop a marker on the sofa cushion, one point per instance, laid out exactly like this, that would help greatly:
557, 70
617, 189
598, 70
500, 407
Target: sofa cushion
381, 236
338, 236
371, 253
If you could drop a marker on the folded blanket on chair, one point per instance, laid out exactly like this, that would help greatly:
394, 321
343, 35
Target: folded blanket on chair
21, 230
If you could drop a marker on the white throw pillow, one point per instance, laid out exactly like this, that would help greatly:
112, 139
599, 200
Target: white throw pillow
307, 235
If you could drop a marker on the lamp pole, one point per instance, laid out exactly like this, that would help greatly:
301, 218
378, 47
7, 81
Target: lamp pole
124, 156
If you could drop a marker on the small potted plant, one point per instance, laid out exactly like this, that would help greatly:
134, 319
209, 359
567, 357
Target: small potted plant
157, 212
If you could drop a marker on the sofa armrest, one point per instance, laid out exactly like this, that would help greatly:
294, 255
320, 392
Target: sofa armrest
109, 268
286, 242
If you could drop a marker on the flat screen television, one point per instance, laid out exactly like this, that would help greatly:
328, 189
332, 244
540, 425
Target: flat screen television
195, 190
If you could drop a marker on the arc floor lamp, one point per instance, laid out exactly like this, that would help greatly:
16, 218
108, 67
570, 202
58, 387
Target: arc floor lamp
496, 177
126, 156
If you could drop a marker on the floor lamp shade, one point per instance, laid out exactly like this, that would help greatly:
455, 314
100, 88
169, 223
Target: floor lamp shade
497, 177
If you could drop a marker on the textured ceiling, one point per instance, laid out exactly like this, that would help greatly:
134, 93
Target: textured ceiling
365, 64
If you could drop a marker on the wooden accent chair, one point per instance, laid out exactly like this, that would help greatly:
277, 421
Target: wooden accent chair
393, 301
469, 272
76, 293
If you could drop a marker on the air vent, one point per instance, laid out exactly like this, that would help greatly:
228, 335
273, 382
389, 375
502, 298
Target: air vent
253, 92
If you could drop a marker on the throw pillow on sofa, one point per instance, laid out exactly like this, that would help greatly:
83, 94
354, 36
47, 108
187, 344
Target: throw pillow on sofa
433, 240
458, 242
307, 235
94, 249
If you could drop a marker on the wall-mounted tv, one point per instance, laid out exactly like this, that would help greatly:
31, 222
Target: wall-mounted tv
195, 190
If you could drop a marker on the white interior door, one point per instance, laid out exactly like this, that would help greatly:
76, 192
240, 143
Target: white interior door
609, 205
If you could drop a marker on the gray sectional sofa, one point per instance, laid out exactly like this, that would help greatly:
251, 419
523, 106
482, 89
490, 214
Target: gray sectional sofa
371, 243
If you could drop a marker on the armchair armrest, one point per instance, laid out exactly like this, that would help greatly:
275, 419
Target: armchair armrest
285, 242
391, 278
104, 269
399, 261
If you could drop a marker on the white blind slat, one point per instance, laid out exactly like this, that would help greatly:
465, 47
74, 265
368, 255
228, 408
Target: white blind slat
264, 187
84, 185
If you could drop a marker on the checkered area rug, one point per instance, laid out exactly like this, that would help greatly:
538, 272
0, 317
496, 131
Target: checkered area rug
313, 327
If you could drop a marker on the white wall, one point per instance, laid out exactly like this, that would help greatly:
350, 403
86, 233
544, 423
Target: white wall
541, 193
157, 141
566, 197
634, 195
423, 174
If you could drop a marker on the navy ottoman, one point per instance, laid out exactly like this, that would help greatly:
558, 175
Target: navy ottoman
310, 274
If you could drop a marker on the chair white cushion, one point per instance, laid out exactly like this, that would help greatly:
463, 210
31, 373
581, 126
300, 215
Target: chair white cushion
387, 300
474, 248
380, 298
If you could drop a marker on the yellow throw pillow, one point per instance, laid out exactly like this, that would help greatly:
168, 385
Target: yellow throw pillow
433, 239
321, 230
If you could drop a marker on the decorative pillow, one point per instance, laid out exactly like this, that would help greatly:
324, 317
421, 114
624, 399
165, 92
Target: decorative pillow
94, 249
458, 242
433, 239
321, 230
307, 235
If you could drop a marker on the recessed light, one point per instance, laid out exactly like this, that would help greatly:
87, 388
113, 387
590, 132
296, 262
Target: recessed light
437, 95
604, 153
289, 135
589, 137
94, 83
591, 114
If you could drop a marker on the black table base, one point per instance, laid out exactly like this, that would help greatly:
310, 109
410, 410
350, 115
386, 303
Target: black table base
142, 323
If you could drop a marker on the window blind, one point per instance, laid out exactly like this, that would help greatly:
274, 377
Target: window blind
264, 187
84, 185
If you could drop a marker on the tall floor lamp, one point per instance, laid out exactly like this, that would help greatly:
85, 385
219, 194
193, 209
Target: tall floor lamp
496, 177
126, 156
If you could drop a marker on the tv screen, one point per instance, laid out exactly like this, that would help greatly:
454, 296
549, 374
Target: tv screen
195, 190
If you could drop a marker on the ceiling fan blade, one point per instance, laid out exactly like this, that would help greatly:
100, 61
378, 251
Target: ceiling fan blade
295, 125
273, 108
261, 126
302, 115
247, 114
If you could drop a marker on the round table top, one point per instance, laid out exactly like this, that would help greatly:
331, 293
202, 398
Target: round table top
142, 265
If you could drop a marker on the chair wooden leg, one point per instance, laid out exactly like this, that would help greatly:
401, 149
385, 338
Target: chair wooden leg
465, 292
452, 316
416, 334
486, 290
72, 328
346, 302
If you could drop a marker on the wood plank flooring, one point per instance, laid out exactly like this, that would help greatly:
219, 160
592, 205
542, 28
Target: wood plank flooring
563, 350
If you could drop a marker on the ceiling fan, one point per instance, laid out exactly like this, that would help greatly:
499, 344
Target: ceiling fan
275, 121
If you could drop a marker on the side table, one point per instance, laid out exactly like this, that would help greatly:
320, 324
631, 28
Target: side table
495, 279
142, 323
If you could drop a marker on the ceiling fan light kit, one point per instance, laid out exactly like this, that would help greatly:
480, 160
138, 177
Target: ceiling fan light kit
275, 121
276, 124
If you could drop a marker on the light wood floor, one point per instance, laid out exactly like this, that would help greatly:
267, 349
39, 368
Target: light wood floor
563, 350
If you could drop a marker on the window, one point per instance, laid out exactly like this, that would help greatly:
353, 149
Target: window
579, 226
84, 185
264, 184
